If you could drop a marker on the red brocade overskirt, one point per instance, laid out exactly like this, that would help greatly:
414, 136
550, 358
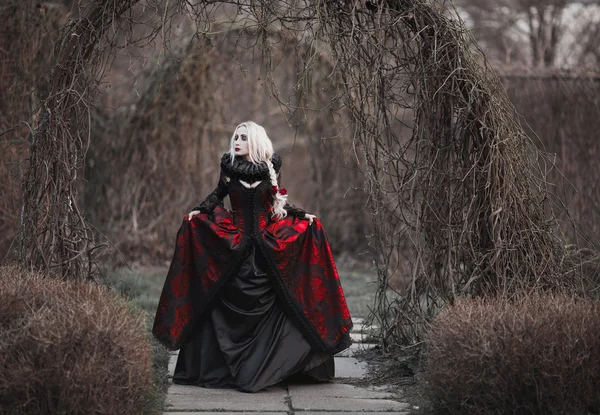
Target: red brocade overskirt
209, 251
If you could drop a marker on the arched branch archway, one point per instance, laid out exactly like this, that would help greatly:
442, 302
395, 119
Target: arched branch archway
456, 189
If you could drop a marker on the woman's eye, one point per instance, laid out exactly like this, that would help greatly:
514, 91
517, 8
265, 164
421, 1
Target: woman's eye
244, 137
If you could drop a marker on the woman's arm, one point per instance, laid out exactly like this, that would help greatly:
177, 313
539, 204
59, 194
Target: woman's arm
294, 211
291, 210
214, 198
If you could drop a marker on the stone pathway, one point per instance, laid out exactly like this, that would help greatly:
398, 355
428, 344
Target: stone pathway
292, 398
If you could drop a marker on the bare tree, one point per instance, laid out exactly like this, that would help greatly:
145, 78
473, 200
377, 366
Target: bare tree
589, 42
529, 32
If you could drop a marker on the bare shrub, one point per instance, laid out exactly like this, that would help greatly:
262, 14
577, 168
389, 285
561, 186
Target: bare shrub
538, 354
70, 348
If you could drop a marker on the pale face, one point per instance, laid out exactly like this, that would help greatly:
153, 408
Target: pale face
240, 141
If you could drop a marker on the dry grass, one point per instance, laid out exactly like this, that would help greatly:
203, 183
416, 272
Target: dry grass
532, 355
70, 348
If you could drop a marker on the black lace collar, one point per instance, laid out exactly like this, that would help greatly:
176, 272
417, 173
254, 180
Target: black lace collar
246, 170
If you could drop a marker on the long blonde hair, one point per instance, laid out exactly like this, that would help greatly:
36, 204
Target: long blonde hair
260, 149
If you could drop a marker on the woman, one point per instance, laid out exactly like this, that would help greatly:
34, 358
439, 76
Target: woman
252, 295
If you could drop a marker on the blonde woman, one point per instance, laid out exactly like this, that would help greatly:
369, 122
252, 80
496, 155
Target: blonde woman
252, 296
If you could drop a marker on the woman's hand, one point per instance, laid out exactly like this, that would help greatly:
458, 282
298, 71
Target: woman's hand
192, 213
310, 218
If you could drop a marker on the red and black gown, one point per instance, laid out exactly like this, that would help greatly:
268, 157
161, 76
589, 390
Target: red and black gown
250, 300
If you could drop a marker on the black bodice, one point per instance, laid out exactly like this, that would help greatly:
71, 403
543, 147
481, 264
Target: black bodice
257, 200
250, 206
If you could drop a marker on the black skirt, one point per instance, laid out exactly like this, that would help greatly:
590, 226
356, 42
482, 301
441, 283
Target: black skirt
248, 342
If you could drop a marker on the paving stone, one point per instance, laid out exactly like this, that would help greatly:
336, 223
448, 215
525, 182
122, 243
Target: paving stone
352, 413
172, 363
364, 328
355, 347
342, 398
349, 367
358, 320
335, 390
190, 398
228, 413
276, 390
322, 403
360, 337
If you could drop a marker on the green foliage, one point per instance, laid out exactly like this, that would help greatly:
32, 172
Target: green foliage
141, 287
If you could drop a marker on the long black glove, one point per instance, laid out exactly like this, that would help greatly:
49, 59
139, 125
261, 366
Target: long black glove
294, 211
214, 198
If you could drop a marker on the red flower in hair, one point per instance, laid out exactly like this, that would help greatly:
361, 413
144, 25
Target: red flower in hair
275, 189
283, 191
